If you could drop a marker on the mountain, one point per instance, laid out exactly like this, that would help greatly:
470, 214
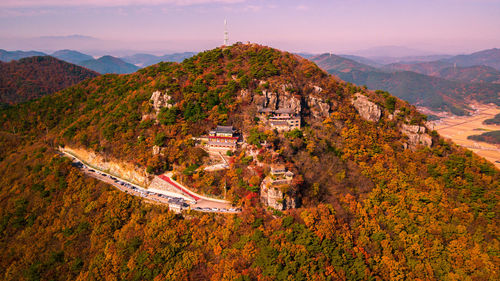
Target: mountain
379, 196
408, 59
447, 70
432, 68
33, 77
390, 51
109, 64
341, 64
7, 56
489, 57
71, 56
473, 74
306, 55
144, 60
423, 90
362, 60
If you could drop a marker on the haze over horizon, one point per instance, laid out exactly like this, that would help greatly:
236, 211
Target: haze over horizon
161, 26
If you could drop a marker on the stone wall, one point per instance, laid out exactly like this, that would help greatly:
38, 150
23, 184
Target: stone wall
158, 184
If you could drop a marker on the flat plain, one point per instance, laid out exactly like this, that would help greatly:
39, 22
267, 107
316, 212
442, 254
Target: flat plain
458, 128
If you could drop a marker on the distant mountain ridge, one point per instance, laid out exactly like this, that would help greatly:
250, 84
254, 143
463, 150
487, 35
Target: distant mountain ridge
33, 77
71, 56
144, 60
109, 64
103, 65
7, 56
433, 92
483, 66
490, 57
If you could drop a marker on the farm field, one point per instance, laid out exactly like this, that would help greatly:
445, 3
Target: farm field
458, 128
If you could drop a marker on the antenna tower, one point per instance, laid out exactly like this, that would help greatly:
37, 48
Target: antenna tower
226, 34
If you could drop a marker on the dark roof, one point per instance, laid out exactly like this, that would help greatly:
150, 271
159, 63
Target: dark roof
285, 110
265, 110
225, 129
278, 167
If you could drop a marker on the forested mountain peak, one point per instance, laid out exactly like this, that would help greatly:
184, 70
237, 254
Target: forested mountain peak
379, 195
33, 77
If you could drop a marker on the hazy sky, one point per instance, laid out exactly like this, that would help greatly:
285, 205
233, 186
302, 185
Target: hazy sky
438, 26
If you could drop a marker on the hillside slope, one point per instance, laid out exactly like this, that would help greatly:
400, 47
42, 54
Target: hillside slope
33, 77
490, 57
446, 70
381, 196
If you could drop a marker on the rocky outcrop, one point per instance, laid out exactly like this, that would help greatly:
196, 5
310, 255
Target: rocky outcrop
416, 135
276, 101
160, 100
272, 196
244, 93
156, 150
120, 169
392, 116
367, 109
317, 89
318, 107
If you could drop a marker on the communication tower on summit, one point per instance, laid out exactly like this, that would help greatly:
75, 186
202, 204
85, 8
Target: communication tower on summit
226, 34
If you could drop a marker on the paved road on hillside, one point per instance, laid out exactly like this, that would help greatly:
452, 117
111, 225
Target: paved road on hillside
202, 205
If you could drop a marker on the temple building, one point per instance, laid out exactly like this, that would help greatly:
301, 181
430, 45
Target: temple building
223, 137
282, 119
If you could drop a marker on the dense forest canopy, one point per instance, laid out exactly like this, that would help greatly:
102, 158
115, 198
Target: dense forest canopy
34, 77
372, 208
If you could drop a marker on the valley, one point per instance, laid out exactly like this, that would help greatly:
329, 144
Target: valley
458, 128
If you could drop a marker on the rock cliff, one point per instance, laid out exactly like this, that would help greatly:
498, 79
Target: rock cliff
319, 108
278, 100
284, 99
273, 197
123, 170
160, 100
367, 109
416, 135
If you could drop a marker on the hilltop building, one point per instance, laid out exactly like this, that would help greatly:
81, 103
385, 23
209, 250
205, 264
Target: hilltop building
223, 137
284, 119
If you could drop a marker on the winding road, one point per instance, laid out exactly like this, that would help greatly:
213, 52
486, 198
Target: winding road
175, 202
